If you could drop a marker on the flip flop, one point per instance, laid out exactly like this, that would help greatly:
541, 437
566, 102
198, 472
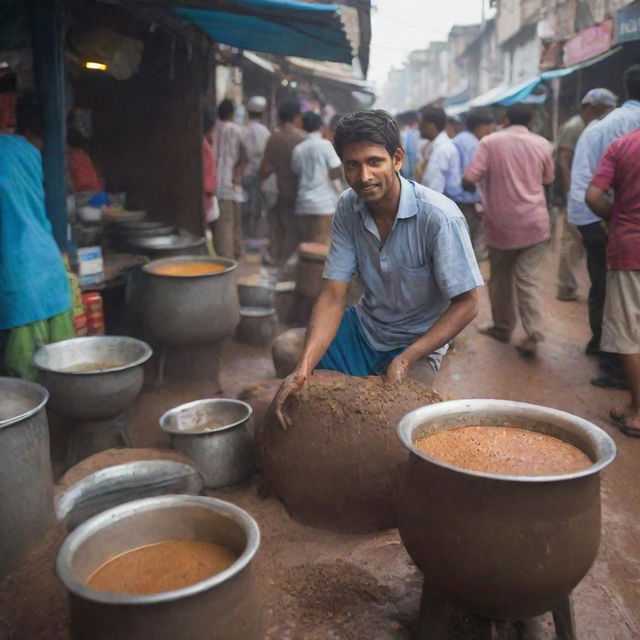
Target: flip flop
621, 422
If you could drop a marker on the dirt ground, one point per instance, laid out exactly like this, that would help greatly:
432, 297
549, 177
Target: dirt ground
319, 586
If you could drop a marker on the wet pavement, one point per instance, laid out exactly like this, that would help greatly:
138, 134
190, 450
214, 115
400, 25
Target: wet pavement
320, 585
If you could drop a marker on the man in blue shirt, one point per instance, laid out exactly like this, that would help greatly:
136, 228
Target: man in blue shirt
479, 123
590, 148
412, 250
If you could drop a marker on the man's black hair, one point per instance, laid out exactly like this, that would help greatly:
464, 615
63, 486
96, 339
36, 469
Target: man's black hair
434, 115
475, 117
631, 80
311, 121
225, 109
29, 116
375, 126
520, 113
288, 111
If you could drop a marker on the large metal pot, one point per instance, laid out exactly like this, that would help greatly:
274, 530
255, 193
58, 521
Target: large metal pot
26, 484
167, 246
224, 455
94, 395
180, 311
501, 546
225, 606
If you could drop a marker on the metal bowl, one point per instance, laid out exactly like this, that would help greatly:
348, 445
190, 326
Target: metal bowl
213, 433
226, 605
92, 395
255, 294
501, 546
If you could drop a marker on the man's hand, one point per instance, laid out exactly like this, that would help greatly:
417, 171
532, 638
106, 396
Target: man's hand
291, 385
398, 369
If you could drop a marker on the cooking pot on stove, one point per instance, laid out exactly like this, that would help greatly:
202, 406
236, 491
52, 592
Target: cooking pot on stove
501, 546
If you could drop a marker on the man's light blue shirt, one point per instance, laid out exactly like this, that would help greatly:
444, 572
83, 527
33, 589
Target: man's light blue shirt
409, 280
590, 148
466, 144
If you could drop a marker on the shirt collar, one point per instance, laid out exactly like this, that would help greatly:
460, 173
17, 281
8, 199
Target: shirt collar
631, 103
518, 127
407, 206
315, 135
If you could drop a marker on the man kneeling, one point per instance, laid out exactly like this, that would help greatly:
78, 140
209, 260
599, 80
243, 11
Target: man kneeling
412, 250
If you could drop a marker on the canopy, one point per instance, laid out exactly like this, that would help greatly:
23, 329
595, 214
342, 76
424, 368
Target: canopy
285, 27
527, 91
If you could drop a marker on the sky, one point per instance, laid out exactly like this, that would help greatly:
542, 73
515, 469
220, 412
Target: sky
400, 26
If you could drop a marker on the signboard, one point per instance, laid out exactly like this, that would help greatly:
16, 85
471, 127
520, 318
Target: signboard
589, 43
628, 25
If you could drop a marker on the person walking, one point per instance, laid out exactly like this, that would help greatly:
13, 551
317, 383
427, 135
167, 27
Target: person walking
619, 170
442, 169
590, 148
595, 104
255, 139
512, 167
478, 124
277, 159
316, 164
232, 160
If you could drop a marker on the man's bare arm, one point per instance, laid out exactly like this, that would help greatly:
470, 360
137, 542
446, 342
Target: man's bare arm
597, 201
325, 320
462, 310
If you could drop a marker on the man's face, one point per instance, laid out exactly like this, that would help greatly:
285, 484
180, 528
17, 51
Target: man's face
428, 130
370, 170
483, 129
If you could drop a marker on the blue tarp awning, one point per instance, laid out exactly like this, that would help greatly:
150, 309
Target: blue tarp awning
527, 91
284, 27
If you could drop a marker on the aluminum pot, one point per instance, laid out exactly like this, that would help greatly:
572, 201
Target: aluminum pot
180, 311
258, 326
224, 454
501, 546
167, 246
255, 294
94, 395
224, 606
26, 481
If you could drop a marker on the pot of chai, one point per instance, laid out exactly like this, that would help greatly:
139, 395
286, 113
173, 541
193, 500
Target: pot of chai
500, 503
164, 568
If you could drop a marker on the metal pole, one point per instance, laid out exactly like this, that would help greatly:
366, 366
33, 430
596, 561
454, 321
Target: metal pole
47, 31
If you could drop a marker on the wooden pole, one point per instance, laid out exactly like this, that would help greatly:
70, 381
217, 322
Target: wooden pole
47, 31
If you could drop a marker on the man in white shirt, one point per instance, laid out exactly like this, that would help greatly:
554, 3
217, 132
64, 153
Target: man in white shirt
316, 164
255, 138
232, 160
442, 171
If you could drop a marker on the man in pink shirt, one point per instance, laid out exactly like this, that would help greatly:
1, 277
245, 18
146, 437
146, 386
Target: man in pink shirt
619, 169
512, 167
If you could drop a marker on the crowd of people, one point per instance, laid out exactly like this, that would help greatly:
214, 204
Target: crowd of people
500, 177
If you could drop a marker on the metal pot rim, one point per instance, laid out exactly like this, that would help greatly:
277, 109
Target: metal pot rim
147, 352
30, 412
164, 418
412, 420
229, 265
129, 509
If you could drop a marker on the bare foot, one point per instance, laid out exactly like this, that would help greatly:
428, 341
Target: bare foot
627, 419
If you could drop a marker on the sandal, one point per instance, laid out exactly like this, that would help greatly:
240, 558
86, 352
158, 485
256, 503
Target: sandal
618, 417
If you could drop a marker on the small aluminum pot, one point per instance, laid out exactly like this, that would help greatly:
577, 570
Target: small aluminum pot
255, 295
226, 605
224, 454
